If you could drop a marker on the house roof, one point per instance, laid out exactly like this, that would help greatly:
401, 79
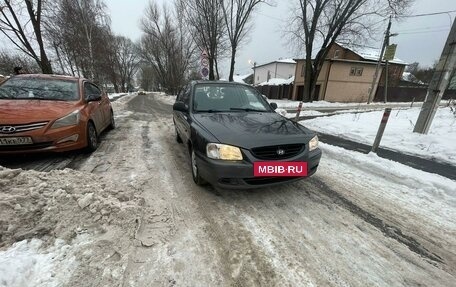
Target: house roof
368, 53
239, 78
281, 61
277, 82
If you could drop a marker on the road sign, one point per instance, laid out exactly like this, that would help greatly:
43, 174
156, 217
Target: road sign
204, 62
204, 54
390, 52
205, 72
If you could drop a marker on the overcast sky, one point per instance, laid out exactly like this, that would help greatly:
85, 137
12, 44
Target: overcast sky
420, 39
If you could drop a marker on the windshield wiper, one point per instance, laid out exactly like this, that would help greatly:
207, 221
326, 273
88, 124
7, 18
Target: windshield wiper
209, 111
247, 110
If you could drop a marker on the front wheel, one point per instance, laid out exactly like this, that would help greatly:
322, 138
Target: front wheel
92, 137
195, 171
112, 123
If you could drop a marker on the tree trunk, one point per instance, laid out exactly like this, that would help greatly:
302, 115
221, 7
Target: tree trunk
211, 69
216, 69
233, 60
308, 81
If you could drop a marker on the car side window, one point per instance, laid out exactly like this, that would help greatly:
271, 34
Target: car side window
179, 95
91, 89
186, 95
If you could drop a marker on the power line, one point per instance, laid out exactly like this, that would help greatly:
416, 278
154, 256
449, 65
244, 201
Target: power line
424, 32
426, 14
422, 29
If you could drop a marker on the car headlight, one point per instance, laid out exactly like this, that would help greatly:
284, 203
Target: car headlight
222, 151
68, 120
313, 143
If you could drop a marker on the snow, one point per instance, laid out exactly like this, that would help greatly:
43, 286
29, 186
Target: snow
241, 78
290, 104
277, 82
287, 61
31, 263
369, 53
166, 99
438, 144
409, 77
395, 183
114, 96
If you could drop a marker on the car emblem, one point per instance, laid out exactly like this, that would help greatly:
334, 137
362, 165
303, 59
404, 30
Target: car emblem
7, 130
280, 151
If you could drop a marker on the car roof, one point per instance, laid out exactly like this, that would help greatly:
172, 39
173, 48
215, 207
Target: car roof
219, 82
49, 76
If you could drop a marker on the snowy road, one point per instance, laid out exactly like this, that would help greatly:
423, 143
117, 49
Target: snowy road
329, 230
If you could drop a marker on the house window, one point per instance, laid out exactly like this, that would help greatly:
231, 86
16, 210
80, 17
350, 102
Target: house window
336, 54
356, 71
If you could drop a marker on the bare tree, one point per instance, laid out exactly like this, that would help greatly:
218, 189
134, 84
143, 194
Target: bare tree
14, 24
81, 38
166, 46
9, 60
206, 19
127, 57
236, 14
319, 23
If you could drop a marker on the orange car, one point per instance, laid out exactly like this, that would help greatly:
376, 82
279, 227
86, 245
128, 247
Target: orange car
51, 113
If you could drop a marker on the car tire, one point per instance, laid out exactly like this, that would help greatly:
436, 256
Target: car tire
178, 138
92, 138
194, 167
112, 124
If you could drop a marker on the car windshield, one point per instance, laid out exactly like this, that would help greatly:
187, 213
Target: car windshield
40, 89
228, 98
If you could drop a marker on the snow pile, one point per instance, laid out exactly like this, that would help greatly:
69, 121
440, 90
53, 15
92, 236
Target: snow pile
59, 204
31, 263
438, 144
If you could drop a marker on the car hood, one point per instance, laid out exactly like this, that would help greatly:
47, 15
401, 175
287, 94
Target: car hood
27, 111
249, 130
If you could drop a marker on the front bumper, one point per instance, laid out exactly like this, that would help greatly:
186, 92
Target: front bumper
55, 140
239, 174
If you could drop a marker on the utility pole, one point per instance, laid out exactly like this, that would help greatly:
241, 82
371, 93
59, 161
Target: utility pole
375, 80
439, 83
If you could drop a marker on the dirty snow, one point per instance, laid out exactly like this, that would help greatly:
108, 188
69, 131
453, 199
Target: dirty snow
32, 263
438, 144
45, 211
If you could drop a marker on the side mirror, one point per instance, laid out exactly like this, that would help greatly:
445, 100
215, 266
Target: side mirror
93, 97
180, 107
273, 106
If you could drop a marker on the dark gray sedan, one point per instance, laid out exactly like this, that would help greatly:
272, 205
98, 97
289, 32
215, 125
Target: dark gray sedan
236, 140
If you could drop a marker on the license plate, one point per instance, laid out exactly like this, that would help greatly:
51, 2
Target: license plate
15, 141
277, 168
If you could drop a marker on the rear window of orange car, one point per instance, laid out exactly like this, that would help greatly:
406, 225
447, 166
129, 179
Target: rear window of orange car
40, 89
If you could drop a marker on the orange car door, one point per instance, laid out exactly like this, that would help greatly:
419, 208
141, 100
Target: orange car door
94, 107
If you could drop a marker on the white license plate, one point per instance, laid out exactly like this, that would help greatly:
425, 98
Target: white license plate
15, 141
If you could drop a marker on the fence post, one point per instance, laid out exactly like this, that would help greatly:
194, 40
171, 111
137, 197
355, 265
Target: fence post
298, 112
381, 129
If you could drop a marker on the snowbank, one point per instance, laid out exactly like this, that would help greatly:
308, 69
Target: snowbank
394, 183
57, 204
439, 144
